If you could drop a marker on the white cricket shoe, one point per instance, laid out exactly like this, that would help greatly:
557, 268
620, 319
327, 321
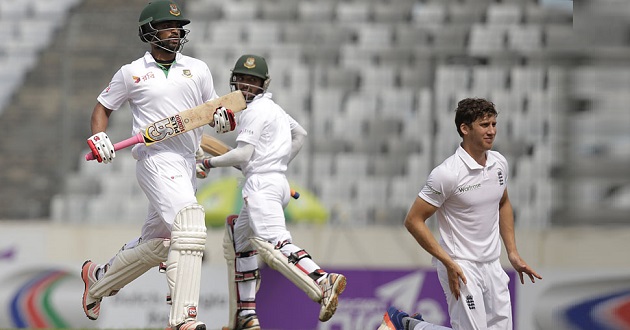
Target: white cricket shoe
332, 286
91, 305
189, 325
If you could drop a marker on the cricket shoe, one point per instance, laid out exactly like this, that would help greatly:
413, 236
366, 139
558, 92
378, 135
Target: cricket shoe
189, 325
91, 305
332, 286
395, 319
247, 322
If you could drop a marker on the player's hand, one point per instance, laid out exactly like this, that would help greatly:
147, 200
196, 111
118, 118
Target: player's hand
101, 147
203, 168
224, 120
456, 278
521, 267
202, 172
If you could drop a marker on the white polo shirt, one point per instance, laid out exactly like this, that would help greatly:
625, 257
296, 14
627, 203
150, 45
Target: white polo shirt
152, 95
467, 196
268, 127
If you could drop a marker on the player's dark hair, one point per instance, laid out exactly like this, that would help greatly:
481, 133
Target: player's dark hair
470, 109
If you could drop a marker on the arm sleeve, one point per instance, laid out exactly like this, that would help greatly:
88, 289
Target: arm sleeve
440, 185
298, 135
242, 153
115, 94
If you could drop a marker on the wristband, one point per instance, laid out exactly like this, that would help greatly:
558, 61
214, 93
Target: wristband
207, 164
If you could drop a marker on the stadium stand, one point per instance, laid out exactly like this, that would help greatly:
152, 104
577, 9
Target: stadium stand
374, 82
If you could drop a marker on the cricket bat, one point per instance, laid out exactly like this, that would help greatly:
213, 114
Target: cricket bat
216, 147
182, 122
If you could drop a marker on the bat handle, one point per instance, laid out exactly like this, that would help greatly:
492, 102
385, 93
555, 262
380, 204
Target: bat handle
121, 145
295, 194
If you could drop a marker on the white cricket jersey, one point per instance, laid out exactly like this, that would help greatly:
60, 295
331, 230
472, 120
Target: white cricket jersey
467, 196
267, 126
152, 95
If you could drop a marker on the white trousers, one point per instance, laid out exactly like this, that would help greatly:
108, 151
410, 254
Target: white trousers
484, 302
169, 182
264, 198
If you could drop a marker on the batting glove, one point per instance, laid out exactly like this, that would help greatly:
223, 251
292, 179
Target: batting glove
102, 148
224, 120
203, 168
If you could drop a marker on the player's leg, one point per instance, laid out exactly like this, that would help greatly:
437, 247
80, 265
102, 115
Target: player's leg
243, 278
183, 267
133, 260
497, 299
274, 244
467, 312
169, 182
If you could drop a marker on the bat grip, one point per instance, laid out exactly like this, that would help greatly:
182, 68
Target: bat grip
121, 145
295, 194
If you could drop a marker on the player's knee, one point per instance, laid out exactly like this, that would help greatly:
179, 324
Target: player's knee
189, 229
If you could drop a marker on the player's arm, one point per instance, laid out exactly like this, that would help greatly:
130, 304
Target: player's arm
298, 136
415, 222
239, 155
506, 228
99, 142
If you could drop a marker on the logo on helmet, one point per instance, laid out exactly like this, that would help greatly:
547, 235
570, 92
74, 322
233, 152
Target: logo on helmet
174, 10
250, 63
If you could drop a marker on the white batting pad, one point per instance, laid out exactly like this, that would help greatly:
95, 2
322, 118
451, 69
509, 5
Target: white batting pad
129, 265
183, 266
230, 258
278, 261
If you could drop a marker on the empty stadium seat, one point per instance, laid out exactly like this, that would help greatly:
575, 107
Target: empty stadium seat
467, 13
279, 10
392, 12
487, 40
525, 38
504, 14
488, 78
320, 11
245, 10
353, 11
527, 79
429, 14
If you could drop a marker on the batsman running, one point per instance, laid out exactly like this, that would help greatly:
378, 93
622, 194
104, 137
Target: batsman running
160, 84
268, 139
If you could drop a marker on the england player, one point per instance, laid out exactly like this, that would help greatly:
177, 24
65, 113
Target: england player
469, 193
160, 84
268, 139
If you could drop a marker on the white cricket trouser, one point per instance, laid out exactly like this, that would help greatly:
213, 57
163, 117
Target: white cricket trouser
265, 197
169, 182
484, 302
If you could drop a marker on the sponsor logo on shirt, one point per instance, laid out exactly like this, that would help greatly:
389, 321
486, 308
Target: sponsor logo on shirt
501, 179
146, 77
469, 187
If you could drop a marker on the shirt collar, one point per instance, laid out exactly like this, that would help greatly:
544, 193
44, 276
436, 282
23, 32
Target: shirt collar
148, 58
266, 95
471, 163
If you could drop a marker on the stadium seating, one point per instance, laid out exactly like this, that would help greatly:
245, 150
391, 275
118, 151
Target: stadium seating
376, 82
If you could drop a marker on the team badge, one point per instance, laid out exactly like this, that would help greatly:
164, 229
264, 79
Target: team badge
250, 63
186, 73
174, 10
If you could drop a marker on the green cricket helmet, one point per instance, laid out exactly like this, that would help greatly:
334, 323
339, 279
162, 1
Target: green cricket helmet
158, 11
251, 65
